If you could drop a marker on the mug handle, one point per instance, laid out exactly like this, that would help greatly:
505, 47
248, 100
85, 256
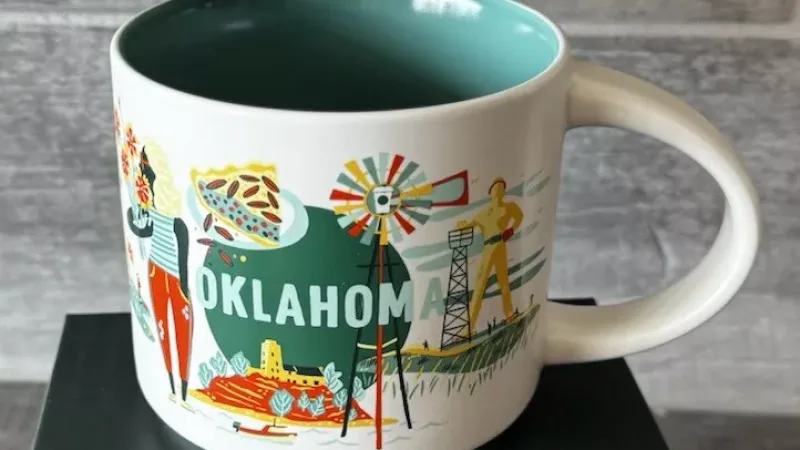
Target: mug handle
604, 97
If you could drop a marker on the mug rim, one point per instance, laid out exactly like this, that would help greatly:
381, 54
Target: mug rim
494, 99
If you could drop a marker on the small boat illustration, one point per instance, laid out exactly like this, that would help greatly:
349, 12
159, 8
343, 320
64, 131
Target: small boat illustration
266, 431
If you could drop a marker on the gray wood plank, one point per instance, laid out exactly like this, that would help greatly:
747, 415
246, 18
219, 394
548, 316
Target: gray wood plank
79, 6
701, 430
61, 243
744, 360
20, 407
753, 11
674, 11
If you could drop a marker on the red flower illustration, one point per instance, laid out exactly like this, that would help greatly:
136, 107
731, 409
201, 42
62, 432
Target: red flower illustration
142, 189
117, 121
130, 140
125, 161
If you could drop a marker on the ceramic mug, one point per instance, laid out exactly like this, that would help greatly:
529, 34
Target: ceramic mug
339, 217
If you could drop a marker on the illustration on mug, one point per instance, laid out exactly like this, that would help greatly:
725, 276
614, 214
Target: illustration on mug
317, 325
154, 214
323, 303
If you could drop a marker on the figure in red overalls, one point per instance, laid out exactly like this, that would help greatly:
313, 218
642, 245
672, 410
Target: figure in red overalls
157, 217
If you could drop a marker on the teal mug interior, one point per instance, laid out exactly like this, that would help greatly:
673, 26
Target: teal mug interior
339, 55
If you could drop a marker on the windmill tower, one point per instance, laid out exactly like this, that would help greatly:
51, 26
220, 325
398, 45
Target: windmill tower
379, 201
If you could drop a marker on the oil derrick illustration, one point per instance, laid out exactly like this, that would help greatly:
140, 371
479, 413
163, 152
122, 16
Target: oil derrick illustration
456, 326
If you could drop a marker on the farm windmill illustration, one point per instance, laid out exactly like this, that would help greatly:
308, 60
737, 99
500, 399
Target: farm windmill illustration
379, 202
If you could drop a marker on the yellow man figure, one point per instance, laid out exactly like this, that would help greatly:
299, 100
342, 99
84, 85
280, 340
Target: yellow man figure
497, 222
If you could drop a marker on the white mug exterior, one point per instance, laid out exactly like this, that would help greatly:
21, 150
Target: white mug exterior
456, 400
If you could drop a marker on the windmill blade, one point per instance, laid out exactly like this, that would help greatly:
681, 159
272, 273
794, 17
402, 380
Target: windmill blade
395, 231
405, 174
407, 226
336, 194
347, 208
418, 191
369, 233
372, 170
397, 201
348, 219
346, 181
353, 215
418, 178
383, 162
357, 227
397, 160
420, 217
355, 170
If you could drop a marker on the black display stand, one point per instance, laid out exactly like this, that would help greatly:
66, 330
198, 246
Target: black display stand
94, 402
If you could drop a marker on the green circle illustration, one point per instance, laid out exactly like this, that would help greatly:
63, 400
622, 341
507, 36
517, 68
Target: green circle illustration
324, 264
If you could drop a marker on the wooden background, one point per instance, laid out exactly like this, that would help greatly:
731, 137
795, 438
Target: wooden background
633, 213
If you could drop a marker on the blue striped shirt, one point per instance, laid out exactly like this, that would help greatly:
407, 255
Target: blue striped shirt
164, 249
